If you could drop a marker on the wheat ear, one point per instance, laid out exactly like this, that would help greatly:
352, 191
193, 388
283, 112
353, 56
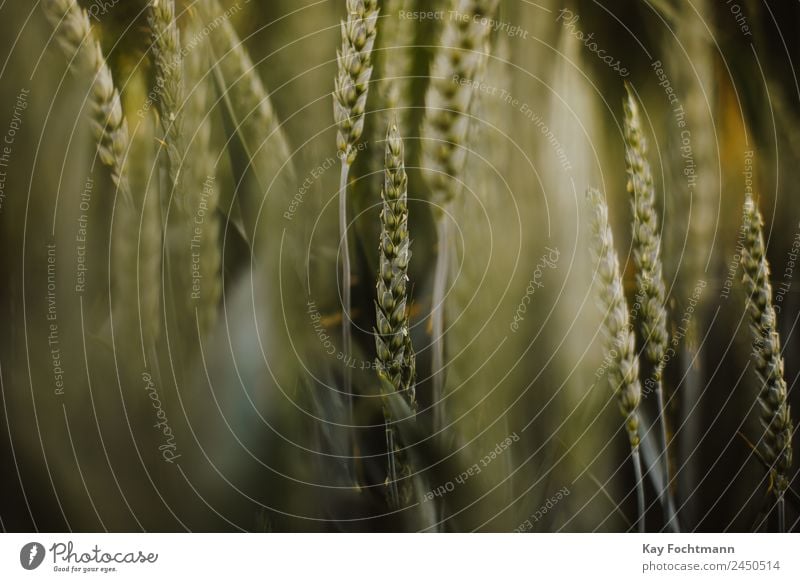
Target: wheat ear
137, 222
168, 59
74, 34
650, 288
449, 96
391, 332
620, 349
351, 86
775, 414
253, 116
396, 359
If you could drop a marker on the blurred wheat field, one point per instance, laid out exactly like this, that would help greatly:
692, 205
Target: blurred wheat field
332, 265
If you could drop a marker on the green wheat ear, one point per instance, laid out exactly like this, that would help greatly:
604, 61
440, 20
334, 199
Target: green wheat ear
775, 414
396, 359
392, 339
650, 288
623, 373
354, 62
646, 238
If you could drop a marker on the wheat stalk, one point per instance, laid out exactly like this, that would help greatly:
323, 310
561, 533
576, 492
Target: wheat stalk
74, 34
202, 187
351, 86
445, 129
620, 349
651, 291
397, 60
396, 359
250, 106
138, 232
136, 251
449, 97
391, 333
168, 58
775, 414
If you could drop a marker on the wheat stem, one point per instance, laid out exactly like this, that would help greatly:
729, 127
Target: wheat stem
637, 471
437, 321
347, 341
202, 190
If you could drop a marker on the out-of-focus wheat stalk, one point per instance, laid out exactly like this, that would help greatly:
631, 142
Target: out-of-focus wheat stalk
250, 106
391, 308
689, 237
136, 257
448, 101
202, 192
623, 374
354, 62
167, 56
775, 414
137, 236
396, 358
397, 59
74, 34
650, 288
445, 129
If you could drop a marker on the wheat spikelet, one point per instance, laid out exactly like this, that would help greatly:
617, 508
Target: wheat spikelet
167, 55
650, 288
75, 36
623, 374
775, 414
